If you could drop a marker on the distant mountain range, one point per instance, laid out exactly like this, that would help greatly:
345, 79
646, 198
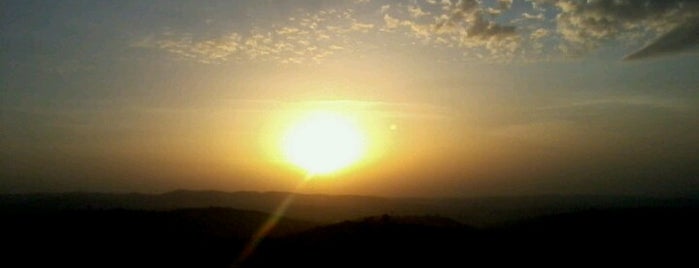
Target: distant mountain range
335, 208
211, 229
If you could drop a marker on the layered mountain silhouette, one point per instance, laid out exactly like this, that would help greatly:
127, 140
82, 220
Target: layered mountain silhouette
477, 211
181, 229
594, 237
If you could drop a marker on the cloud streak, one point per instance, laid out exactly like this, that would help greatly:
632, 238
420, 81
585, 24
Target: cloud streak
682, 38
586, 25
310, 37
488, 30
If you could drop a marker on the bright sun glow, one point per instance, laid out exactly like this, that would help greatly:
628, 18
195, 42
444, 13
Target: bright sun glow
323, 142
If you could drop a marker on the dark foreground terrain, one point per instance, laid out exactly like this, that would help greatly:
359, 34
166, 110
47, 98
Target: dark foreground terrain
664, 235
594, 238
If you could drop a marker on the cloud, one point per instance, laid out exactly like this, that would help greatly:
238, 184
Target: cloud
207, 51
472, 28
385, 8
373, 109
504, 4
539, 33
466, 24
362, 27
585, 25
683, 37
642, 101
457, 14
308, 37
493, 11
287, 30
481, 28
528, 16
417, 12
467, 16
391, 22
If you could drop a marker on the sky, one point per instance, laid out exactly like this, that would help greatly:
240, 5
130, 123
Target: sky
456, 98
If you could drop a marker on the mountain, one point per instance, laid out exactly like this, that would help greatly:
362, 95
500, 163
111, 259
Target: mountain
206, 237
330, 209
371, 242
661, 233
625, 237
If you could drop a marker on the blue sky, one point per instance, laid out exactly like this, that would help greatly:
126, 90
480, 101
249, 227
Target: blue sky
489, 97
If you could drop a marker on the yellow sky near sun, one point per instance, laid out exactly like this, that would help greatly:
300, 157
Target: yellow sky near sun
244, 144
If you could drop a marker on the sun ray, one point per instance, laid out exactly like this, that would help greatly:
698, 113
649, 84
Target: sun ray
270, 223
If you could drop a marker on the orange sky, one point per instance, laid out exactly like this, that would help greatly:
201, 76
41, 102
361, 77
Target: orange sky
457, 98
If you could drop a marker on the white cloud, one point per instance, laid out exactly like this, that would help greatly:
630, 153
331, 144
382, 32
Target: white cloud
385, 8
391, 22
539, 33
528, 16
362, 27
416, 11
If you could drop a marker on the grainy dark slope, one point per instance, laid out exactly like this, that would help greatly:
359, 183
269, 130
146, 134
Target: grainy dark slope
207, 237
55, 230
481, 212
596, 237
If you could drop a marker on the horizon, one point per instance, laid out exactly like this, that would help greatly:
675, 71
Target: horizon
311, 194
424, 99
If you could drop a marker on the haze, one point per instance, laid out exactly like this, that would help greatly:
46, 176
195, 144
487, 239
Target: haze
458, 98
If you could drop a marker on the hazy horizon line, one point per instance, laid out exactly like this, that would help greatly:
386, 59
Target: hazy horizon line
486, 196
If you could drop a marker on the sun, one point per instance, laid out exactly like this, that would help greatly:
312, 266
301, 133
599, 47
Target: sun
323, 143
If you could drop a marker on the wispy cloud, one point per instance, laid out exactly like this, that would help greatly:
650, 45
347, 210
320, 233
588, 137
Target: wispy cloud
208, 51
312, 36
528, 16
638, 101
309, 37
417, 12
539, 33
585, 25
490, 30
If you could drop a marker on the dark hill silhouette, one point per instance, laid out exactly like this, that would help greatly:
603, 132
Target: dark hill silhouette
372, 242
593, 237
207, 237
180, 229
479, 212
214, 237
647, 236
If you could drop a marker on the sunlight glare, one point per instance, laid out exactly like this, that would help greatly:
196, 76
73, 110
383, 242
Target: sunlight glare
323, 142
